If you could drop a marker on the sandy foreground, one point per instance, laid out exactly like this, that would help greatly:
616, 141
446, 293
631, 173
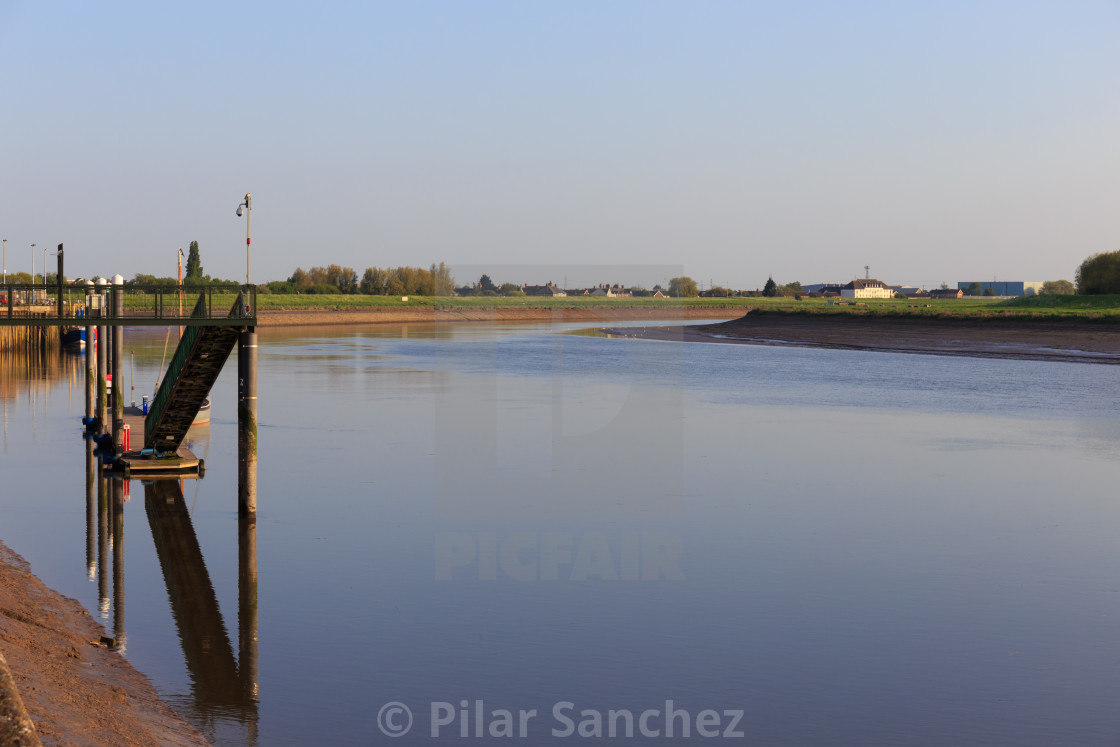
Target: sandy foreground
76, 690
1080, 341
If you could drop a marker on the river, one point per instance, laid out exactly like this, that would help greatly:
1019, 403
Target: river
477, 529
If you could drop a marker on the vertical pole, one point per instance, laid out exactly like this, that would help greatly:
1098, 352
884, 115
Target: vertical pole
118, 367
58, 279
247, 606
102, 372
91, 371
247, 422
248, 232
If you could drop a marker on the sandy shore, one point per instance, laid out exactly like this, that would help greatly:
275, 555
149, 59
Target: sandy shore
594, 315
76, 691
1084, 342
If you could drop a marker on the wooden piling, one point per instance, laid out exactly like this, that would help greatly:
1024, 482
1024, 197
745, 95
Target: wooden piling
118, 369
247, 422
102, 372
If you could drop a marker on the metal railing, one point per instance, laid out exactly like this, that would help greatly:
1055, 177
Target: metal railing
182, 353
37, 304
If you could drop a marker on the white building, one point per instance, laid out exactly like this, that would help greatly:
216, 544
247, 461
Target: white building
866, 288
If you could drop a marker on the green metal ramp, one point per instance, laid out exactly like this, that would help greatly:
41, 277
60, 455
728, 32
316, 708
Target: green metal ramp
193, 370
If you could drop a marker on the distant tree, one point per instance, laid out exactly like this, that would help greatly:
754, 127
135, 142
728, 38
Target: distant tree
974, 289
347, 280
486, 284
142, 279
989, 291
683, 287
443, 284
944, 286
300, 279
1099, 273
509, 289
770, 289
1058, 288
194, 263
791, 289
371, 282
394, 286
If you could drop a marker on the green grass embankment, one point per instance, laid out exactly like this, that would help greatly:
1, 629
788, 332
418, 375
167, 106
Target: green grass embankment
1102, 308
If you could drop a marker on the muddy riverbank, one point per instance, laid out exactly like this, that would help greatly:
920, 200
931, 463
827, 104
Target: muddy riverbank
76, 690
1086, 342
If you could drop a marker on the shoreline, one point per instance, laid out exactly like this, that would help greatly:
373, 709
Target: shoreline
594, 314
1050, 340
75, 689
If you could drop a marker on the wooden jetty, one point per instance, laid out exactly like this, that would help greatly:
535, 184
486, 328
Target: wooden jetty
145, 465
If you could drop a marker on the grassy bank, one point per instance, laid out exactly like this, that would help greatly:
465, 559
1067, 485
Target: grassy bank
1106, 308
277, 302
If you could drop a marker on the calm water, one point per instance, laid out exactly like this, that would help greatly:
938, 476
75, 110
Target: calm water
842, 547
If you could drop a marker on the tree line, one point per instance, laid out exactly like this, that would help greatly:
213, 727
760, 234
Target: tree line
375, 281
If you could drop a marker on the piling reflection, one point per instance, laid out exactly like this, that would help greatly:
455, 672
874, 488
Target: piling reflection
118, 492
102, 544
91, 511
221, 685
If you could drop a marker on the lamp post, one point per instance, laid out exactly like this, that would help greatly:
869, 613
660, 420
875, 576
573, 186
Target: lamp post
247, 208
5, 260
33, 264
45, 248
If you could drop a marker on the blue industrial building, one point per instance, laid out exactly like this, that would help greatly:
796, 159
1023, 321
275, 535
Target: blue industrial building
1006, 287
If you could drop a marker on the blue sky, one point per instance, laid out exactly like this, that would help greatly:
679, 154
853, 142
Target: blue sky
935, 142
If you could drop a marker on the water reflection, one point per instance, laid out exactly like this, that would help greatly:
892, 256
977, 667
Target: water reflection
102, 544
35, 372
118, 493
221, 686
91, 511
224, 686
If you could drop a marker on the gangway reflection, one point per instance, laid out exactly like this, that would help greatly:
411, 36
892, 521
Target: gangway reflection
222, 685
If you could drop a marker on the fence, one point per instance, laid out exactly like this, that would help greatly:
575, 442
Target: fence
38, 305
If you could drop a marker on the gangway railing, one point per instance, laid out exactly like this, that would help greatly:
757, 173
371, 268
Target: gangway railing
193, 369
142, 305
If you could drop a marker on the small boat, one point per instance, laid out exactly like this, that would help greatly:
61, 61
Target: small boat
203, 416
74, 337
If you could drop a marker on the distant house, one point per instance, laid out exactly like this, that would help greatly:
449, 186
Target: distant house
548, 289
946, 293
866, 288
659, 294
613, 291
907, 290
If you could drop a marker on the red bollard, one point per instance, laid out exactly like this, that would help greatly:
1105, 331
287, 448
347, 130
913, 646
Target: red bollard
125, 438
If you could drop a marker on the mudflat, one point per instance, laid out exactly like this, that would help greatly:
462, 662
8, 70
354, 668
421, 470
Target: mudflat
1027, 339
76, 690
